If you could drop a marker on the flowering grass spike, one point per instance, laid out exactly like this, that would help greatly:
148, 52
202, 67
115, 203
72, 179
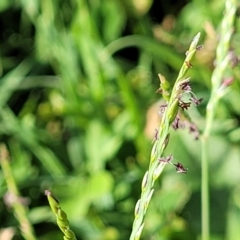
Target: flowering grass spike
61, 217
171, 114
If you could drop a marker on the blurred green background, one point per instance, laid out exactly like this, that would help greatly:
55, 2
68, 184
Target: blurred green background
78, 111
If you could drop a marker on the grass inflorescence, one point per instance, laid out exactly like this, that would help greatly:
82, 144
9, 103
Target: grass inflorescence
61, 217
219, 82
170, 112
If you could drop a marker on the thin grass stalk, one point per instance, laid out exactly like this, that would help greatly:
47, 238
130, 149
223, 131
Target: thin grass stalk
14, 199
222, 61
156, 166
61, 217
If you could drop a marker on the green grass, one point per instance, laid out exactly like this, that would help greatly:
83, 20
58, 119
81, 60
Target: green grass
77, 80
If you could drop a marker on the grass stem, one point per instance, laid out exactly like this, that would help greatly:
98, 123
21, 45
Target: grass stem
216, 93
14, 199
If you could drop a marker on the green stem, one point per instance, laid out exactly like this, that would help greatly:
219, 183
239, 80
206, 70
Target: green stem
205, 193
216, 93
18, 208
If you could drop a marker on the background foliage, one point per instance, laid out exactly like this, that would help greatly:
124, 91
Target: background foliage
78, 111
